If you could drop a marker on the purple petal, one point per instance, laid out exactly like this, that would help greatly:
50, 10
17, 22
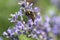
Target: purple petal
36, 9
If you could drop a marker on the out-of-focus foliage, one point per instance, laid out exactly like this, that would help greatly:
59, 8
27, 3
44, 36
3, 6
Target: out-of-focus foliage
6, 8
23, 37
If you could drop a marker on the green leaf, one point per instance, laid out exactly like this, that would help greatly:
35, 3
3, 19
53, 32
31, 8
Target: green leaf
24, 37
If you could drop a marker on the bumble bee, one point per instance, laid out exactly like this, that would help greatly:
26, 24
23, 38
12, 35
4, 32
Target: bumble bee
30, 14
30, 1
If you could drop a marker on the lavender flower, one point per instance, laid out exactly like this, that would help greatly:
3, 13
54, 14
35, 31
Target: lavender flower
38, 20
4, 33
30, 22
20, 13
55, 20
35, 29
55, 29
19, 23
1, 38
56, 3
36, 9
14, 17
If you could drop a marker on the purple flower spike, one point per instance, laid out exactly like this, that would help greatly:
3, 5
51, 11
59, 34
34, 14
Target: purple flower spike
19, 33
47, 19
19, 25
34, 27
38, 32
9, 30
1, 38
14, 17
30, 22
36, 9
5, 33
20, 13
55, 29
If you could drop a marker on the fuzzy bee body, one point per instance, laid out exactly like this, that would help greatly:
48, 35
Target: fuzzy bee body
30, 14
30, 1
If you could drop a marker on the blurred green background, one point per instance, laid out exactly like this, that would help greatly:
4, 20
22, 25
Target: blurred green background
6, 8
11, 6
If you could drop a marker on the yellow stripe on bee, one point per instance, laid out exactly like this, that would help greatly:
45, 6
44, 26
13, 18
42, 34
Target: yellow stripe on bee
29, 12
